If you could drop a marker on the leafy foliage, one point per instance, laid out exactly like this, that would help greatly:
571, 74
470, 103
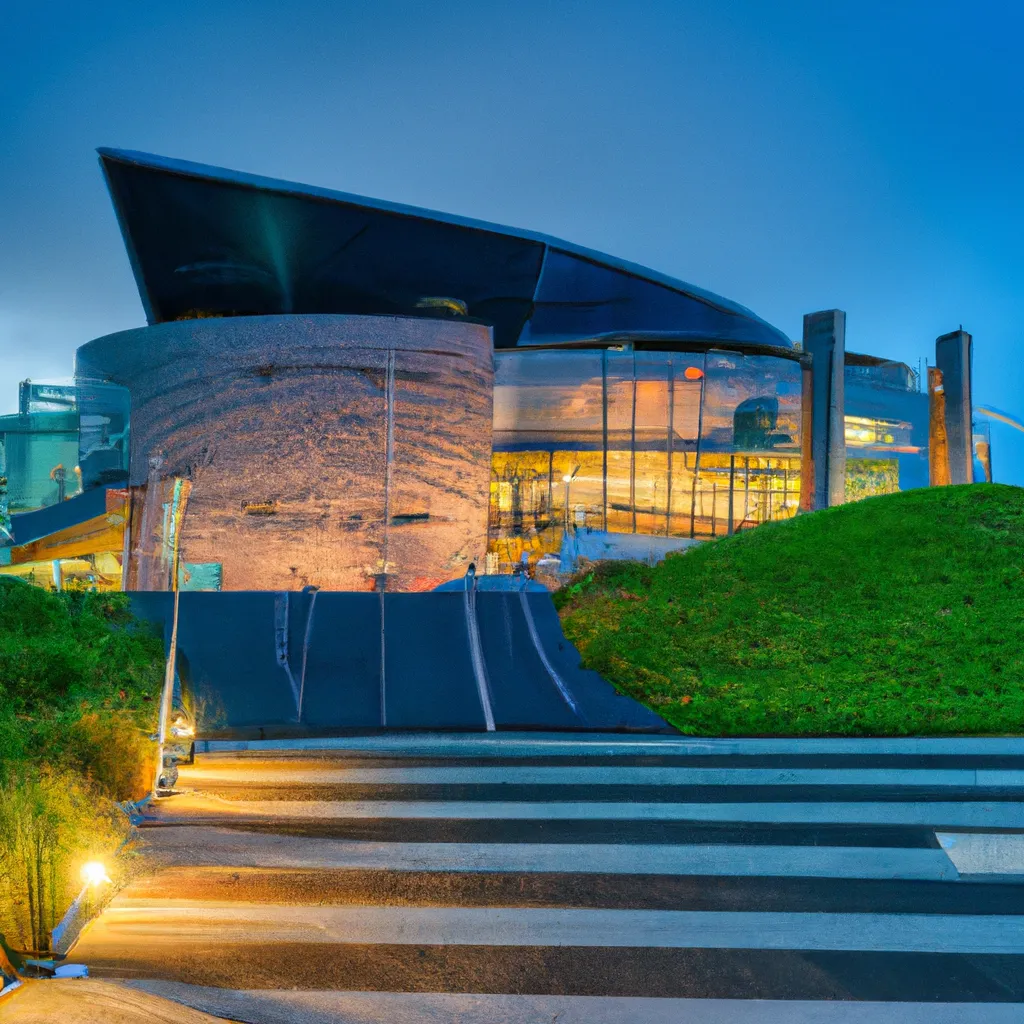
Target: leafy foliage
50, 823
79, 685
901, 614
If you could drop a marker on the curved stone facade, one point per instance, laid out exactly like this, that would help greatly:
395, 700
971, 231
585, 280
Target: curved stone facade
344, 452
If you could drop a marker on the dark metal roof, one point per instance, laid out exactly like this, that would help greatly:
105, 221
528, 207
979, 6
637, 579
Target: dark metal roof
206, 240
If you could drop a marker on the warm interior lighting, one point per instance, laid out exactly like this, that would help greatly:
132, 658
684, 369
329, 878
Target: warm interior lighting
865, 430
94, 873
693, 373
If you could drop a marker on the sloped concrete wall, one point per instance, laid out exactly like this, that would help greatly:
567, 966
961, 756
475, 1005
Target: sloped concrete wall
344, 452
262, 665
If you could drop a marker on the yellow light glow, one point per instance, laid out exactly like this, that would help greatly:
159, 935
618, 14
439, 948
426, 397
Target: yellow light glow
566, 479
94, 873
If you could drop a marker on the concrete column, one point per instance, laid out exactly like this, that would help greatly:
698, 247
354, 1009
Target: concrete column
953, 358
806, 433
825, 342
938, 450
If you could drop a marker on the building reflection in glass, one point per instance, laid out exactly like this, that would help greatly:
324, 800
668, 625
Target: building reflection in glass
886, 425
676, 444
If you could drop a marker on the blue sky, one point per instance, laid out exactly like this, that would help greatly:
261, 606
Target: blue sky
792, 156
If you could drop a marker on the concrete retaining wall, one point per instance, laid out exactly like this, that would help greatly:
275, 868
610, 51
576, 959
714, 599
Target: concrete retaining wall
265, 665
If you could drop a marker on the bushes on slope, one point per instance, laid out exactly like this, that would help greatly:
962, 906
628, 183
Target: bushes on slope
79, 686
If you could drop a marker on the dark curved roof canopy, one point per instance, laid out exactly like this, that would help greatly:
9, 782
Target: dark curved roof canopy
208, 241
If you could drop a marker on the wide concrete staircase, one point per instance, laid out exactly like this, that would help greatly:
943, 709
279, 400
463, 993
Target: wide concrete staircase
597, 879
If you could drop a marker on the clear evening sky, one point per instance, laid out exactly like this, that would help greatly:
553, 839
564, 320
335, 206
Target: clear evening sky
792, 156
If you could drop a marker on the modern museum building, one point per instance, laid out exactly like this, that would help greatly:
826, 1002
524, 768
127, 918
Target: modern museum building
348, 394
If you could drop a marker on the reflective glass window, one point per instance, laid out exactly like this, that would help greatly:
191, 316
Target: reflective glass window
886, 426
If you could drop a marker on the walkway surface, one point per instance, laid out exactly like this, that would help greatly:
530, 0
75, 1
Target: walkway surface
602, 879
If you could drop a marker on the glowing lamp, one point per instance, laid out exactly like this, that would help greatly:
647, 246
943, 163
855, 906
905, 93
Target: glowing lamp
693, 373
181, 729
94, 873
566, 479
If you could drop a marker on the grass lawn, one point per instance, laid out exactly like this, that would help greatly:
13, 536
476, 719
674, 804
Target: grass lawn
897, 615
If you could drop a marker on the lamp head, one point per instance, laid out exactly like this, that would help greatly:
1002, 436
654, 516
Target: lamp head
94, 873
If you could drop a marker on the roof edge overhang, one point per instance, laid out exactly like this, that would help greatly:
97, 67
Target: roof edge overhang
206, 172
668, 341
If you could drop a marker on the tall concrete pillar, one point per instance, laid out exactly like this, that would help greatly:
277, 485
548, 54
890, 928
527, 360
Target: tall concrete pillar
953, 358
938, 449
806, 433
825, 342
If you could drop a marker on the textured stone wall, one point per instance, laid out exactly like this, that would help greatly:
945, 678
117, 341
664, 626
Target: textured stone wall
345, 452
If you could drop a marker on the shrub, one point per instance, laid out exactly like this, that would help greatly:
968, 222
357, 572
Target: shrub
112, 751
79, 687
51, 821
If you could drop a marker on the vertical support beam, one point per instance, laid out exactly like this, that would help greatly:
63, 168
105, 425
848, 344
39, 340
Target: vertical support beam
696, 456
604, 439
551, 482
806, 436
732, 486
938, 449
670, 442
825, 341
146, 555
126, 549
953, 358
632, 448
382, 579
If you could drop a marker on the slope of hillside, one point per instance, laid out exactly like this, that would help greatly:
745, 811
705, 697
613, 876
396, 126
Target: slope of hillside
896, 615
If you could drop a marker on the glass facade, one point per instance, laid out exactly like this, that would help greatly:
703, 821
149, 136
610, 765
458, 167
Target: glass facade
676, 444
982, 447
65, 441
103, 411
39, 459
614, 441
886, 430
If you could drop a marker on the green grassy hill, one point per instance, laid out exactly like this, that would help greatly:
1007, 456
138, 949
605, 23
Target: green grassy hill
896, 615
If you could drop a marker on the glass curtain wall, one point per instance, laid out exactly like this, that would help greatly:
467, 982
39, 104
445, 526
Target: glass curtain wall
674, 444
65, 441
749, 469
103, 447
886, 425
982, 441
